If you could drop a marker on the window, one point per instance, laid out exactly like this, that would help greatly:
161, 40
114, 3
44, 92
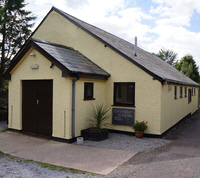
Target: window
194, 91
181, 92
189, 95
185, 91
88, 91
175, 92
124, 94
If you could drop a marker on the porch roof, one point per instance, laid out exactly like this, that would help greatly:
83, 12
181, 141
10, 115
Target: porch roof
70, 61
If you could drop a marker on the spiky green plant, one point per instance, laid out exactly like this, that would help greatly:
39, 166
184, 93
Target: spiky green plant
98, 116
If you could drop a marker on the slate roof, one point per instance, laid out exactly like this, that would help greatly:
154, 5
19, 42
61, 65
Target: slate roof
150, 63
68, 60
73, 60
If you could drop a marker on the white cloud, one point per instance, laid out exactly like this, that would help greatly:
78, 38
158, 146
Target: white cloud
173, 20
76, 4
177, 38
177, 12
126, 24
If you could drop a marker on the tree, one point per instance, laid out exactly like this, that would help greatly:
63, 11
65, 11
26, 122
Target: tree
187, 66
15, 24
168, 56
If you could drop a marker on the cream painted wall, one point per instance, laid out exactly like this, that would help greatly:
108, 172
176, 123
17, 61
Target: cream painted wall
82, 106
147, 92
147, 106
61, 92
173, 110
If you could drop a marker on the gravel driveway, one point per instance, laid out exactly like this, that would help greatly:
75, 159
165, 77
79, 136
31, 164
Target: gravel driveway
128, 143
16, 167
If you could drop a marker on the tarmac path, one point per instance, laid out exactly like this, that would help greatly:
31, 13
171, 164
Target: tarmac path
180, 158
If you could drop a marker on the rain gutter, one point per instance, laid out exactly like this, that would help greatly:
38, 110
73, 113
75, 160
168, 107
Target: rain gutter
73, 104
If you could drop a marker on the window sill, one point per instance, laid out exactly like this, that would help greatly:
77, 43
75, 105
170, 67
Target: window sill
181, 97
131, 106
175, 98
85, 99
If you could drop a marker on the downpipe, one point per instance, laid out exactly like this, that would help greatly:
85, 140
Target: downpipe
73, 103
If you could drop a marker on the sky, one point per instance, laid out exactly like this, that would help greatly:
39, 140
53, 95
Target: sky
158, 24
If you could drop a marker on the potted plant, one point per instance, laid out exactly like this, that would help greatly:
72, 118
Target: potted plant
139, 128
97, 119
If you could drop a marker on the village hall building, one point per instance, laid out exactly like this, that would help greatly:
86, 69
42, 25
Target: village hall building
67, 65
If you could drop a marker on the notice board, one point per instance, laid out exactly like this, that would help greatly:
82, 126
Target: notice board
122, 116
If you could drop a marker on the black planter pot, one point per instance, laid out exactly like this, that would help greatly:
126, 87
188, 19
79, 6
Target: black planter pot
88, 134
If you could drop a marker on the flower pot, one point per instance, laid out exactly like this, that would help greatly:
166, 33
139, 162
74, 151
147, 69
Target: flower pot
94, 135
139, 134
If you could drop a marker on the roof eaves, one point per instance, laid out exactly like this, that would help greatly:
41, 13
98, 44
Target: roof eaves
182, 83
94, 76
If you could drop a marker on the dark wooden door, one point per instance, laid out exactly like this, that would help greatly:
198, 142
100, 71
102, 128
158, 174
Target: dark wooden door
37, 107
29, 107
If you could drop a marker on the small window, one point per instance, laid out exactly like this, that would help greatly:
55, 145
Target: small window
88, 91
181, 92
175, 92
124, 94
189, 95
185, 91
194, 91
